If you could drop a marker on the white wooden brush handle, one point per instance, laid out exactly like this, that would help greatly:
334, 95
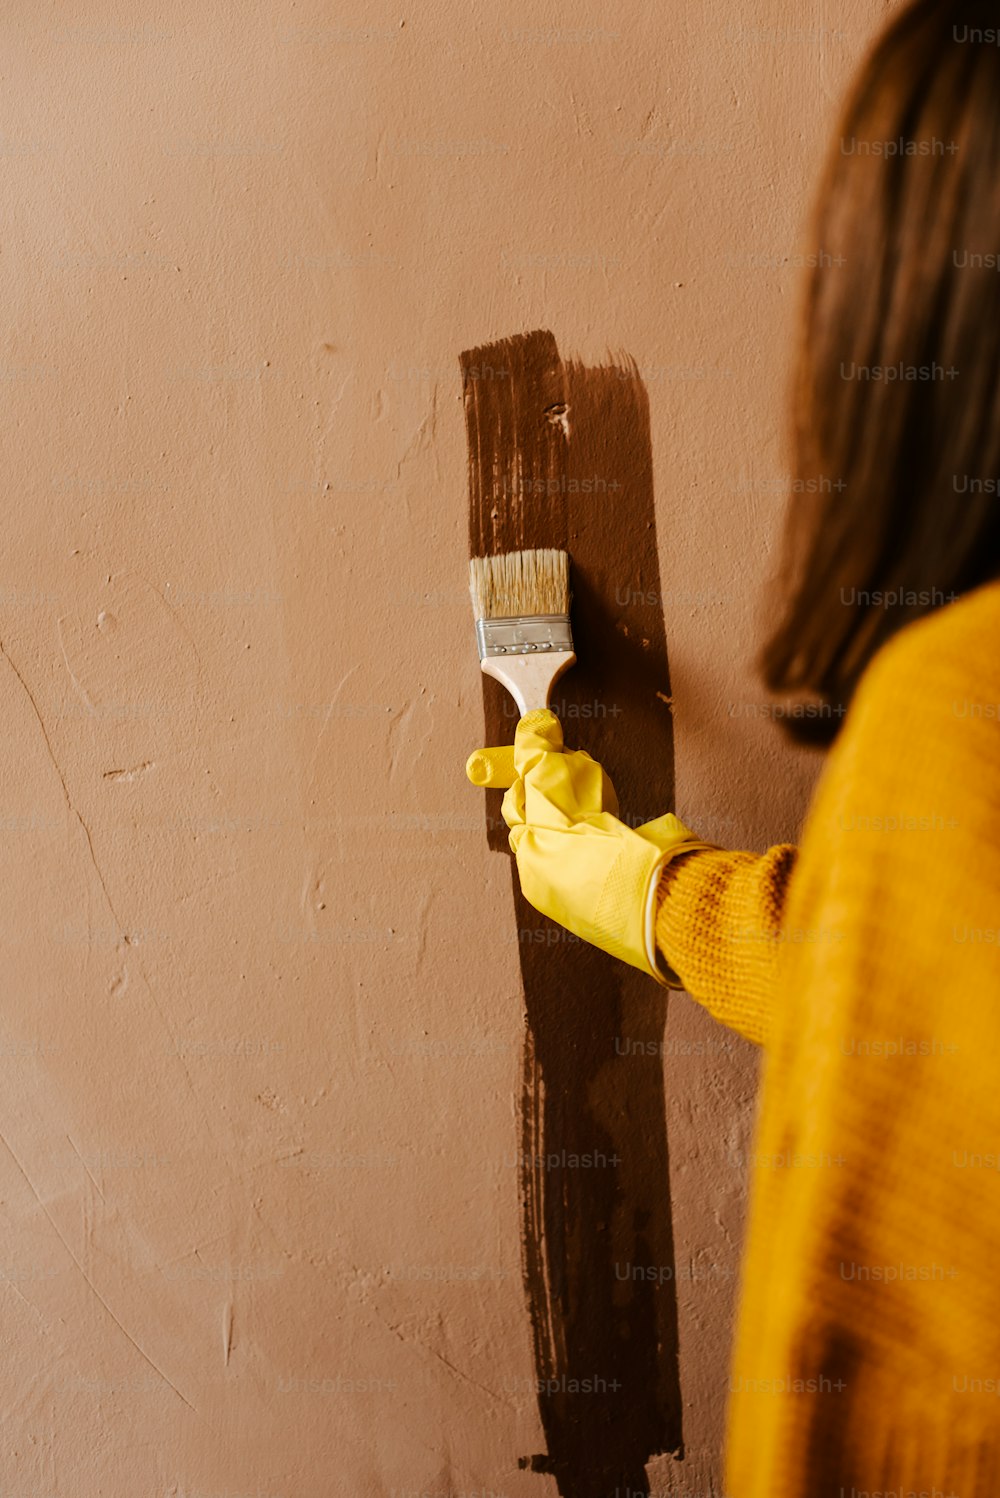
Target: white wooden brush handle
529, 678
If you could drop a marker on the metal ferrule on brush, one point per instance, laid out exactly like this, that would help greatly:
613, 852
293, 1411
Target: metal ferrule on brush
531, 634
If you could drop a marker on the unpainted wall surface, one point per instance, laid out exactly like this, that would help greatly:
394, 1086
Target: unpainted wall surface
262, 1022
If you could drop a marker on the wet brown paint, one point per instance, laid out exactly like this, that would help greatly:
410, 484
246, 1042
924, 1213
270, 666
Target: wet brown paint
560, 455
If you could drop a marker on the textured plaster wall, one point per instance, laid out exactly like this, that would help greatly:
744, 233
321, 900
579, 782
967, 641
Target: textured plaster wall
261, 1024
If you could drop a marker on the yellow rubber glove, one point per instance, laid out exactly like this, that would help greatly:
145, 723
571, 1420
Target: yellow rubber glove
578, 863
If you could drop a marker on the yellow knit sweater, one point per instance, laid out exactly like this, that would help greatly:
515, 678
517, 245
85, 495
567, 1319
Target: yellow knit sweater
867, 1352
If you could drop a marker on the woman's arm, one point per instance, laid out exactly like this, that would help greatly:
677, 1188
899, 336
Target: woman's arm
719, 926
687, 913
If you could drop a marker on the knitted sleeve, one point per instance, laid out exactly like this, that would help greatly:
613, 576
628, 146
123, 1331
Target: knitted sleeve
719, 926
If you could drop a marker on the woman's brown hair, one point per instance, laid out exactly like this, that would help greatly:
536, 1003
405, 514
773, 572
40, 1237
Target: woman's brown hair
896, 390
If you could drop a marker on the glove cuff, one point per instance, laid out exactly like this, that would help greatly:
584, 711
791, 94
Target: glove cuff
624, 919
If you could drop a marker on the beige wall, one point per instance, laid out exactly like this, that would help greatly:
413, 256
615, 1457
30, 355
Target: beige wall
261, 1023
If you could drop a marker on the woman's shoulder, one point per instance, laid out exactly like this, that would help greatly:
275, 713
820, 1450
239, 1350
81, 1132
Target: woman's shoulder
920, 748
923, 729
948, 660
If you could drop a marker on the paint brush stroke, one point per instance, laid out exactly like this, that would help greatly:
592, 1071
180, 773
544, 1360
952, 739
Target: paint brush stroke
559, 455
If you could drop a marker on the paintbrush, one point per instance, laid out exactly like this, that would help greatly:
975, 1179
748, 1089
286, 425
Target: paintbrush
521, 602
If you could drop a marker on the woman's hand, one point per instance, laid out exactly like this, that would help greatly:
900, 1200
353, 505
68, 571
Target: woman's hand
578, 863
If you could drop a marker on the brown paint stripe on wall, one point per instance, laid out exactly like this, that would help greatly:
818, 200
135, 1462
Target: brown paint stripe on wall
560, 455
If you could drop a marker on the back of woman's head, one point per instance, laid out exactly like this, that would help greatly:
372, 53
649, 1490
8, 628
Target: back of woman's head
896, 401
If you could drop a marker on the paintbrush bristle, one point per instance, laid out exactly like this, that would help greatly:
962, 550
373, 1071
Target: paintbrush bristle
517, 584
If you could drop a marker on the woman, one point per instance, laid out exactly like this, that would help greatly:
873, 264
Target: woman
866, 961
